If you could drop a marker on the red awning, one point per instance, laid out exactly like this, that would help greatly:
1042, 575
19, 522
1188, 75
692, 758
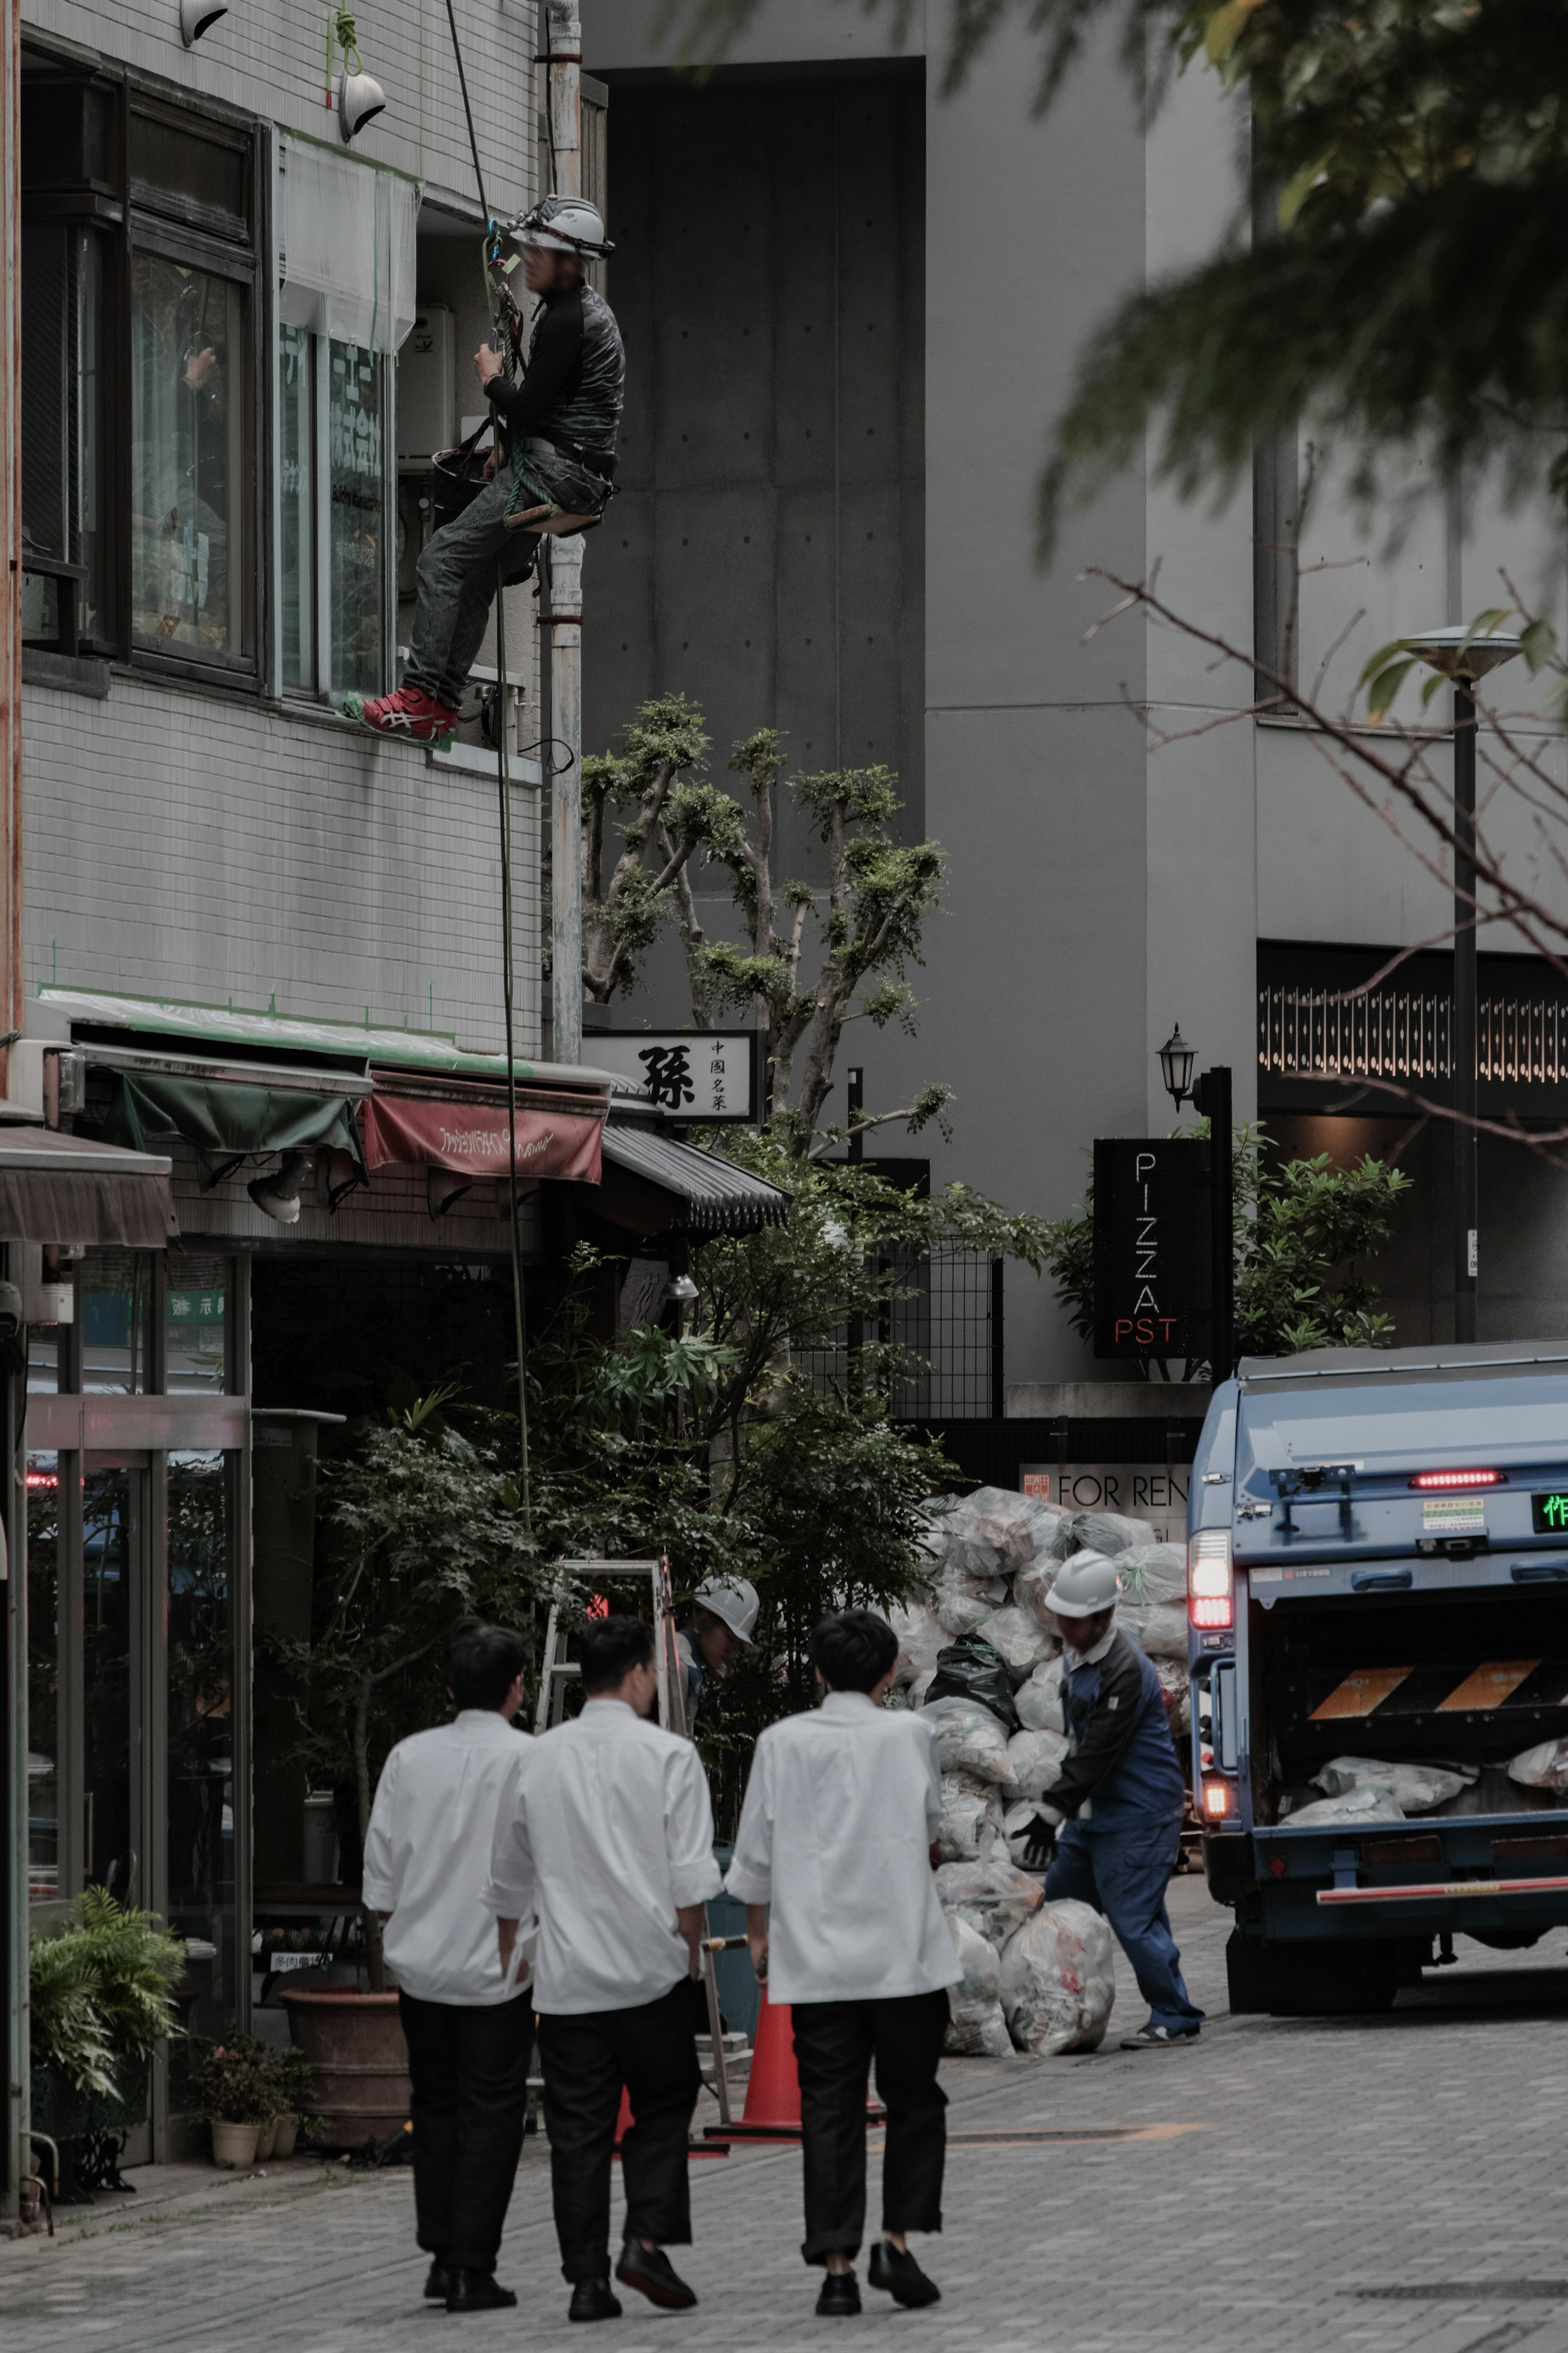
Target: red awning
473, 1138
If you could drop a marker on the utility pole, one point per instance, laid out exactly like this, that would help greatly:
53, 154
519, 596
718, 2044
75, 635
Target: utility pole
13, 1547
563, 751
1212, 1099
1466, 1138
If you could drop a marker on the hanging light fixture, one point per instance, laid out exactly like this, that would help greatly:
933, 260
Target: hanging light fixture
278, 1195
198, 17
359, 98
1176, 1059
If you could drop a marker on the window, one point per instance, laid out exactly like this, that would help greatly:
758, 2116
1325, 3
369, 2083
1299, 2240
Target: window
333, 533
138, 391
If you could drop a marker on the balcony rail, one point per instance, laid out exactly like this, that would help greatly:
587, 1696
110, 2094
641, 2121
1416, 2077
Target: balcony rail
1405, 1035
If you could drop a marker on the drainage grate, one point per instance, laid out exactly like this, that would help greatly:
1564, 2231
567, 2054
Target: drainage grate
1469, 2291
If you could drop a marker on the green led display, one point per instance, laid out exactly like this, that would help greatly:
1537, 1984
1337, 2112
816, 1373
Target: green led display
1548, 1514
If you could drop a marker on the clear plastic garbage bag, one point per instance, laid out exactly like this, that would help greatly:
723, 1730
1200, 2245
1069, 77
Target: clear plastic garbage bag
1058, 1979
1366, 1804
1037, 1761
969, 1739
1418, 1788
1107, 1532
1038, 1702
976, 2027
1545, 1766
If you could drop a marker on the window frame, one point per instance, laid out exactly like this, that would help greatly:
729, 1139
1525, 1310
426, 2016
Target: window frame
319, 696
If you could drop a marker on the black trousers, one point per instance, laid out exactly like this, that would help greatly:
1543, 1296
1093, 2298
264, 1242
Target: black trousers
587, 2057
468, 2064
835, 2044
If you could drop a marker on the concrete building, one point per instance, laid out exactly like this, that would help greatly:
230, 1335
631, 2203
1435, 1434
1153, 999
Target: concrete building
853, 305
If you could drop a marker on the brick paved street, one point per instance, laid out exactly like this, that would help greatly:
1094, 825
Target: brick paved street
1315, 2158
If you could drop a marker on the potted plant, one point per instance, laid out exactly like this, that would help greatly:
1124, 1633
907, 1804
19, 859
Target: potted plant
101, 2000
231, 2086
294, 2081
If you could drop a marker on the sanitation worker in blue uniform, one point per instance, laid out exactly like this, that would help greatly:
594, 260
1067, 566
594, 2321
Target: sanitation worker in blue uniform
1119, 1797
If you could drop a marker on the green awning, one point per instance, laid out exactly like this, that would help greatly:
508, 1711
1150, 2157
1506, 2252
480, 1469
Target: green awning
224, 1116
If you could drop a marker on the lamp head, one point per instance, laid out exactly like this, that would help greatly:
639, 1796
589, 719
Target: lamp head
198, 17
361, 98
277, 1196
1465, 653
1176, 1059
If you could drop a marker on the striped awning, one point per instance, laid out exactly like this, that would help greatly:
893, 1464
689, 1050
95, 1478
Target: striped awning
706, 1193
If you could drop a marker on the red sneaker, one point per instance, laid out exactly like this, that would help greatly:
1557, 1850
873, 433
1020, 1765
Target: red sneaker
412, 713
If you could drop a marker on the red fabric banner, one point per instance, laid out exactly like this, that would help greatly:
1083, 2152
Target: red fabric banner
474, 1138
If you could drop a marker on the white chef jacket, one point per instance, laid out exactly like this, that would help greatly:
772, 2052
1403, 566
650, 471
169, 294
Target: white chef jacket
605, 1830
836, 1835
427, 1853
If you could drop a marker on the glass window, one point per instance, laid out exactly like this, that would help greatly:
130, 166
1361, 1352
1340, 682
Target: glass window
188, 359
358, 540
201, 1732
42, 1677
114, 1289
112, 1534
64, 511
195, 1323
177, 170
297, 490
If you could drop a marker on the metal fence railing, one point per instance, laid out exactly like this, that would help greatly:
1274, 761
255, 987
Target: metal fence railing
1405, 1034
948, 1315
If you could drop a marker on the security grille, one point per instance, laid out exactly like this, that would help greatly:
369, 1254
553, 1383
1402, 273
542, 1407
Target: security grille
1403, 1035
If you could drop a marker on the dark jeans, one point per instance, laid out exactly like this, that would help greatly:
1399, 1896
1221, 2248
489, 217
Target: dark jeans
468, 2065
455, 579
835, 2043
1124, 1873
588, 2058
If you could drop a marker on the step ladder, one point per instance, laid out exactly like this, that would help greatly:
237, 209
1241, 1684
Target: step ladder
555, 1671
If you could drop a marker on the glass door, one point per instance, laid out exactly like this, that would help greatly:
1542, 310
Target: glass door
115, 1592
199, 1670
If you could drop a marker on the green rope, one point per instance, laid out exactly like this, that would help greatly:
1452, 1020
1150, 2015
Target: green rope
506, 986
341, 29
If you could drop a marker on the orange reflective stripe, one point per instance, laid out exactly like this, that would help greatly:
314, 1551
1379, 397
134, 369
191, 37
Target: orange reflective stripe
1490, 1685
1361, 1693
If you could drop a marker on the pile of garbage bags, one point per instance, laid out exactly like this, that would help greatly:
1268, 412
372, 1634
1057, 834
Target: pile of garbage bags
1374, 1789
977, 1656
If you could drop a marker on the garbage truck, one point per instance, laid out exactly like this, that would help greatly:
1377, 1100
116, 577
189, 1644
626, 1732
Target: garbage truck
1377, 1573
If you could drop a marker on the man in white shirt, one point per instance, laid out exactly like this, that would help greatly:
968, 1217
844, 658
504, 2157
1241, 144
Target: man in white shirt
606, 1832
468, 2030
836, 1835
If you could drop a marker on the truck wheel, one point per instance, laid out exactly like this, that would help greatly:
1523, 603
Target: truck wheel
1340, 1978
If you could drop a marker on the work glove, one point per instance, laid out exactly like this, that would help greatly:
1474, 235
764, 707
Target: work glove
1041, 1837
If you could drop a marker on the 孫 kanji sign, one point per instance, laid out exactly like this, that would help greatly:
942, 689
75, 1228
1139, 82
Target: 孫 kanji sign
695, 1075
1152, 1247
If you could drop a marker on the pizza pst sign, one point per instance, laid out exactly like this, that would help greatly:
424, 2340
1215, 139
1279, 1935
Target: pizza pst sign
1151, 1247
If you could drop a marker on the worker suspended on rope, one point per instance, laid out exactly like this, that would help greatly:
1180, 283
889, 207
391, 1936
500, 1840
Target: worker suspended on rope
552, 471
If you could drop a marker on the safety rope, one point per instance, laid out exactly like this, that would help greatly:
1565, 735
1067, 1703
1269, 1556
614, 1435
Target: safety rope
468, 112
506, 990
340, 30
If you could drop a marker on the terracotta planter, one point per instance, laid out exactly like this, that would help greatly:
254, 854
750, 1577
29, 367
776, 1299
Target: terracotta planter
354, 2042
235, 2144
288, 2128
267, 2140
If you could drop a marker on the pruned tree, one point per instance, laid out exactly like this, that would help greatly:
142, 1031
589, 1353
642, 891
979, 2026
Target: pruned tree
664, 809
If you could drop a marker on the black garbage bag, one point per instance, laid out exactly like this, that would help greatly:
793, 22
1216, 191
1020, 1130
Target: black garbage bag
971, 1669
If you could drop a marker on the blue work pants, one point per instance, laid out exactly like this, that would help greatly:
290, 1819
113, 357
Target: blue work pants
1123, 1873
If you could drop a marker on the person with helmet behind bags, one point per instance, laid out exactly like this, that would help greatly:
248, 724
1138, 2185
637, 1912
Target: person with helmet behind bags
1119, 1795
556, 434
719, 1629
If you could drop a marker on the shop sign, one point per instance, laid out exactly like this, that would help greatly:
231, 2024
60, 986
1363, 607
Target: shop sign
696, 1074
1156, 1492
474, 1139
1151, 1220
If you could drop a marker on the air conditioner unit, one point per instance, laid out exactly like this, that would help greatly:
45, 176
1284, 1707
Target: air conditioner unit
427, 385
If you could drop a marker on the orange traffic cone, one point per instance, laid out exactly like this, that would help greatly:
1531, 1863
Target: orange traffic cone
772, 2091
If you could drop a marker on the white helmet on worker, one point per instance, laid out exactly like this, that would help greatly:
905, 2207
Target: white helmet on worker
1085, 1585
734, 1605
563, 225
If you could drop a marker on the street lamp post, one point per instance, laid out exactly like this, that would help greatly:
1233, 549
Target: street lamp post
1463, 658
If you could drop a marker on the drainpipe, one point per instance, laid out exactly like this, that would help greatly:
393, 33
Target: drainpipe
564, 618
14, 2158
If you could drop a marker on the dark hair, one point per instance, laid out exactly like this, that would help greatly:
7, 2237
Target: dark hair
853, 1650
480, 1663
610, 1648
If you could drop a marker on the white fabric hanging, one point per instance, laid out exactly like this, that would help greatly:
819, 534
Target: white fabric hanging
345, 247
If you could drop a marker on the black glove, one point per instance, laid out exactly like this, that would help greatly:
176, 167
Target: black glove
1041, 1836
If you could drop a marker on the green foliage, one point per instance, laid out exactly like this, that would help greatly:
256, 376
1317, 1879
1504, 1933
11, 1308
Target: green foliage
235, 2082
1300, 1226
100, 1990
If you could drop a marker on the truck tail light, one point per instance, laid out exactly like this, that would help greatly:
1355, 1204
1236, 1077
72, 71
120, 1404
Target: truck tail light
1210, 1596
1439, 1479
1217, 1800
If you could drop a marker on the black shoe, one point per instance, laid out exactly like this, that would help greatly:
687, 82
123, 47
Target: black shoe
592, 2300
1159, 2038
435, 2282
476, 2291
649, 2270
900, 2275
840, 2296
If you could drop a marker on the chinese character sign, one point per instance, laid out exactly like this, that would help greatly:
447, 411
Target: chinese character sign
1151, 1247
689, 1074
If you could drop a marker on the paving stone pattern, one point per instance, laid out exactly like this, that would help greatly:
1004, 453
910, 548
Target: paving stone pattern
1419, 2151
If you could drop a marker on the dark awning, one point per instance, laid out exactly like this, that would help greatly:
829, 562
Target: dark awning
68, 1188
665, 1185
229, 1111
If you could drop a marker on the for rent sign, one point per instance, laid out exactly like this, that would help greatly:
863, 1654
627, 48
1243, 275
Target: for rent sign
1151, 1247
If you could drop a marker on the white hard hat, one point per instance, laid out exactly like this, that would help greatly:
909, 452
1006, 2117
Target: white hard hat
734, 1605
1085, 1585
564, 225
